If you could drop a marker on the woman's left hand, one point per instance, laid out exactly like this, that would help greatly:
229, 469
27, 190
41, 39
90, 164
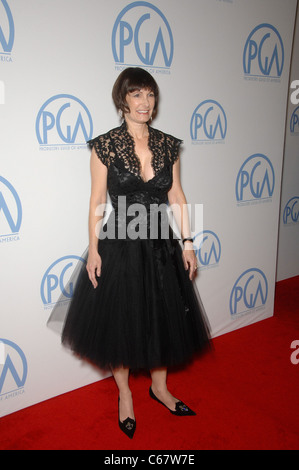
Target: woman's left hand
189, 259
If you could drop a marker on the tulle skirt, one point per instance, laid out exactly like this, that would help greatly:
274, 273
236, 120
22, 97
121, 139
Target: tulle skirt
145, 312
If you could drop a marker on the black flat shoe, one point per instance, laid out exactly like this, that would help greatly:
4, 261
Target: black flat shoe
128, 426
180, 408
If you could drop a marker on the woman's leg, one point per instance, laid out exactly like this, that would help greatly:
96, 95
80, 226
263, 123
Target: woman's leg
159, 387
121, 377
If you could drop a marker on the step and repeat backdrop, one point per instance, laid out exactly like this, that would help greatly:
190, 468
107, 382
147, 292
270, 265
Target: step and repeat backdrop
223, 71
288, 240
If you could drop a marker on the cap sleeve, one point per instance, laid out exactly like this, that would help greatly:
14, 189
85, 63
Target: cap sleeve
103, 147
173, 148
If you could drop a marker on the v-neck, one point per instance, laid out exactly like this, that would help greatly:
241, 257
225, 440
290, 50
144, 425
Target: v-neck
138, 161
118, 146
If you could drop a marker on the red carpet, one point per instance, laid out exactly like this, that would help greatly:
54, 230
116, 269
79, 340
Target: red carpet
245, 394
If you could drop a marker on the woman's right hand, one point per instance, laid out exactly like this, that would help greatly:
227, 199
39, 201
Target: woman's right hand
93, 266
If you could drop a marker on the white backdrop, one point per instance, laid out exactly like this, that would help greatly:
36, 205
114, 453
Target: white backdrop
223, 70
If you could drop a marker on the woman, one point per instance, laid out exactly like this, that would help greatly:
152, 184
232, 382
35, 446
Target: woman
136, 307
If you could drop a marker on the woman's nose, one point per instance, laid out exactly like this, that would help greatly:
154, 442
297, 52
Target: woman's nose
146, 100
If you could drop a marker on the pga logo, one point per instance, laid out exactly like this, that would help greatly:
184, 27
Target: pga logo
142, 35
249, 292
57, 280
13, 368
208, 122
7, 31
291, 211
63, 120
294, 121
207, 248
255, 179
263, 52
10, 211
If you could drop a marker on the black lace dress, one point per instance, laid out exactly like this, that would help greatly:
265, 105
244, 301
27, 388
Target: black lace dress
145, 312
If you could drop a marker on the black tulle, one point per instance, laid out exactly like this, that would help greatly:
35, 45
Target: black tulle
145, 311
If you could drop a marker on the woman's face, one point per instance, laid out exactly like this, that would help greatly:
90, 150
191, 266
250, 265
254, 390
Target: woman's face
141, 104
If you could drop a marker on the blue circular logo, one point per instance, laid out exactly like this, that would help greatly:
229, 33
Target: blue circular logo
249, 292
207, 248
291, 211
10, 209
63, 120
263, 52
255, 179
7, 41
208, 122
294, 121
57, 280
142, 35
13, 367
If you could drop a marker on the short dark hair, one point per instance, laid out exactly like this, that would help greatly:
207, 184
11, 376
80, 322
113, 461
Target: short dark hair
131, 79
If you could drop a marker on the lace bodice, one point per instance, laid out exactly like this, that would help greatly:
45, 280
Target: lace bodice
118, 144
116, 150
